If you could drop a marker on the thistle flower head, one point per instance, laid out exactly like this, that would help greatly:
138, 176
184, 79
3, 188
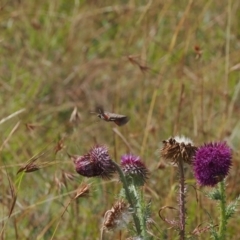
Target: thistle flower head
178, 149
117, 217
96, 162
212, 163
134, 169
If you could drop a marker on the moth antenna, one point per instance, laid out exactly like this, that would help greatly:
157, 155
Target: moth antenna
93, 112
99, 109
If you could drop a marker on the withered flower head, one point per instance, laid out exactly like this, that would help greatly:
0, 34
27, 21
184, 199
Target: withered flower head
178, 149
134, 169
117, 217
96, 162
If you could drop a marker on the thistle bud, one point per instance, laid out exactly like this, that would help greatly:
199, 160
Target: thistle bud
96, 162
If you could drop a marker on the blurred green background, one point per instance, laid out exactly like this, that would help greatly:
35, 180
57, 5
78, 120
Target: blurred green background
173, 67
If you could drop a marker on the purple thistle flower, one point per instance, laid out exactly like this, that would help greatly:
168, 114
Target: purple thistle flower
212, 163
133, 168
96, 162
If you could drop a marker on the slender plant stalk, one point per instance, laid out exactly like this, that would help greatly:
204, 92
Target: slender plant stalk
128, 196
65, 209
227, 46
222, 226
149, 118
182, 212
227, 63
12, 115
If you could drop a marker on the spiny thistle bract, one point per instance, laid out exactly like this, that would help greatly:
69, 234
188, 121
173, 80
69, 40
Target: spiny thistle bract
212, 163
134, 169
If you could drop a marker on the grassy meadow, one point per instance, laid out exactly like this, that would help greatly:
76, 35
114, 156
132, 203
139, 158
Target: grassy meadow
173, 67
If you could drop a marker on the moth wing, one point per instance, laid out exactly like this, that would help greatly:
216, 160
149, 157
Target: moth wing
121, 121
116, 118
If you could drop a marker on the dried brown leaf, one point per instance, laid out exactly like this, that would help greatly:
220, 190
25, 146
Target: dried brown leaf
173, 223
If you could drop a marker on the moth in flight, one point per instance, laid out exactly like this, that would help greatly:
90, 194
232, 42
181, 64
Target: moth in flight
118, 119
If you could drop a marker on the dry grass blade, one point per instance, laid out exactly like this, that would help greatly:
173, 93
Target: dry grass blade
13, 194
81, 192
107, 9
58, 183
142, 65
64, 210
173, 223
32, 126
12, 115
180, 106
236, 67
149, 118
75, 116
179, 26
135, 60
197, 231
72, 157
9, 136
196, 193
60, 145
67, 176
31, 164
123, 138
62, 181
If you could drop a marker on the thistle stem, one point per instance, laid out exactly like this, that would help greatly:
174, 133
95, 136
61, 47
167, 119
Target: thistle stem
128, 196
222, 226
139, 205
182, 211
